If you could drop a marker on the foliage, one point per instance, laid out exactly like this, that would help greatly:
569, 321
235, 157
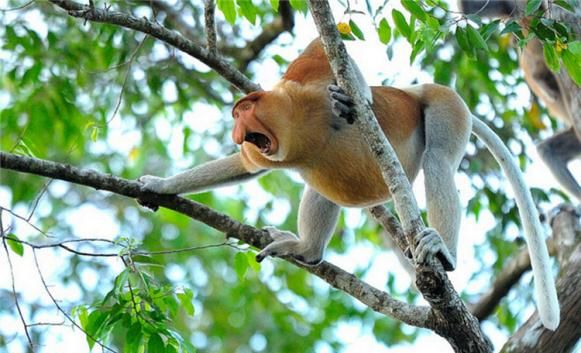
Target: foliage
98, 96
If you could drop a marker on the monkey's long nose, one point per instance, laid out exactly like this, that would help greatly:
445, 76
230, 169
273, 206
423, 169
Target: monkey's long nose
239, 132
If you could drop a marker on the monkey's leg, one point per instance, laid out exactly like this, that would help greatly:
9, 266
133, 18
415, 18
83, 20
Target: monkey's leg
221, 172
556, 152
317, 220
447, 133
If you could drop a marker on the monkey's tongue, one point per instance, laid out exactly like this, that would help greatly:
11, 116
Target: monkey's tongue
259, 140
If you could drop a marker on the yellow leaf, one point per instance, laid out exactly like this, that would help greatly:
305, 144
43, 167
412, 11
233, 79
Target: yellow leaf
534, 115
343, 27
504, 41
133, 154
560, 46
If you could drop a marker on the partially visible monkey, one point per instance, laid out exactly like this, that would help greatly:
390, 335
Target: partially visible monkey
293, 126
560, 149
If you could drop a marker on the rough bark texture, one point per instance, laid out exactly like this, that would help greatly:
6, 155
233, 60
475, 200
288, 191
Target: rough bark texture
532, 337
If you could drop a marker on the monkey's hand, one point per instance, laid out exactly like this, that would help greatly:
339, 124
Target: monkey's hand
429, 244
288, 244
155, 184
341, 104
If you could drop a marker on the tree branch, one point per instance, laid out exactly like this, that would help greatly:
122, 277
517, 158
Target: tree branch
374, 298
450, 317
156, 30
504, 281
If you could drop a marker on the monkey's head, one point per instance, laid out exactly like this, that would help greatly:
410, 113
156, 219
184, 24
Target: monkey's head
261, 122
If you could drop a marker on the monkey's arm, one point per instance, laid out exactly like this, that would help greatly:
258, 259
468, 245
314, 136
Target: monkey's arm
226, 171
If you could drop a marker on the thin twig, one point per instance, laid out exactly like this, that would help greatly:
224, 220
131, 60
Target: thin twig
24, 325
21, 7
61, 310
126, 79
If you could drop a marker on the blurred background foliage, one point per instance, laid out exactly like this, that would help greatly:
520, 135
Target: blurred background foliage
97, 96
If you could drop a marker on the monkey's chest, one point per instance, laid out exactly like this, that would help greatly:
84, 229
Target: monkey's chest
352, 184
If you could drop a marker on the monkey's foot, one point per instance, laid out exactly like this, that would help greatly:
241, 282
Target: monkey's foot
153, 184
341, 104
288, 244
429, 244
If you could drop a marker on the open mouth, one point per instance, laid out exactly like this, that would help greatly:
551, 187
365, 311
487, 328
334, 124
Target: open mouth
259, 140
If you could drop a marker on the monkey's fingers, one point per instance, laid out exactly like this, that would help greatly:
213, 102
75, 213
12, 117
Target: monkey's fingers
429, 244
341, 104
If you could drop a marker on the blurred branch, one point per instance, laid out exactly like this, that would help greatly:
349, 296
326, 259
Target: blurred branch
374, 298
282, 23
532, 337
216, 62
504, 281
12, 281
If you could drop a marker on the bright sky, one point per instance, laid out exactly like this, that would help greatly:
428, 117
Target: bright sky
89, 220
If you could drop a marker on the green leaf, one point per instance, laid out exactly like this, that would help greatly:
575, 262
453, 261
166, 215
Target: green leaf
564, 4
248, 10
488, 29
575, 48
186, 299
95, 326
228, 9
300, 5
462, 40
251, 258
240, 264
356, 30
133, 338
94, 133
415, 9
511, 27
400, 23
14, 244
384, 31
155, 344
475, 39
417, 48
120, 282
274, 4
532, 6
572, 63
551, 57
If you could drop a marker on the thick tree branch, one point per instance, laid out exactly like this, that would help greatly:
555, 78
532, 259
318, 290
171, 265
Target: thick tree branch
451, 318
374, 298
156, 30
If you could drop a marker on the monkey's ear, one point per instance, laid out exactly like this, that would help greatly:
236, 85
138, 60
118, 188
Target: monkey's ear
247, 102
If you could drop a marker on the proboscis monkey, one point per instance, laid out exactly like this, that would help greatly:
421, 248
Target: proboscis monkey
563, 147
293, 126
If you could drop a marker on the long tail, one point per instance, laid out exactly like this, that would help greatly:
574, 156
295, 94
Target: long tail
546, 293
